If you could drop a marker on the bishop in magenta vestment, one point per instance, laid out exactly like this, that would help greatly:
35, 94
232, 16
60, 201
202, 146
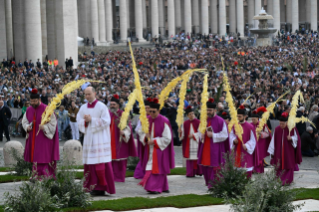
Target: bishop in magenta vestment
122, 142
285, 150
41, 149
160, 151
215, 144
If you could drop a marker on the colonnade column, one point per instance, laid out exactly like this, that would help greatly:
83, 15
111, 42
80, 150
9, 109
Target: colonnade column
240, 17
123, 20
205, 17
251, 13
295, 16
222, 17
155, 25
289, 11
18, 29
101, 11
188, 16
314, 15
257, 11
232, 16
195, 16
8, 22
276, 16
178, 14
139, 20
171, 18
3, 36
270, 9
95, 20
213, 16
109, 21
33, 35
161, 17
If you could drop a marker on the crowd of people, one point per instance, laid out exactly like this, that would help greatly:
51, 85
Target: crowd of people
265, 72
257, 76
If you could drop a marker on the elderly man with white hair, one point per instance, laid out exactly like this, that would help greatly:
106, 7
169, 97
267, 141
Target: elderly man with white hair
313, 112
308, 142
301, 127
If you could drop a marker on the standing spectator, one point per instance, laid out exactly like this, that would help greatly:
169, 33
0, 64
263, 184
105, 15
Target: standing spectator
39, 64
73, 111
63, 120
70, 63
5, 117
308, 143
44, 97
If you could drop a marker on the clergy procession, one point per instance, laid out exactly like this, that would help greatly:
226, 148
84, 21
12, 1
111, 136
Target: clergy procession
109, 139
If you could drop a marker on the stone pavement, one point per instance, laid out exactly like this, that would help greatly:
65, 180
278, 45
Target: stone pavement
310, 205
178, 185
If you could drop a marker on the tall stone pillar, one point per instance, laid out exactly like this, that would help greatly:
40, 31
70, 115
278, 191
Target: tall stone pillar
276, 15
109, 21
139, 20
289, 11
144, 14
3, 36
251, 13
295, 17
9, 32
257, 11
205, 17
51, 29
282, 11
128, 14
161, 17
88, 18
270, 9
195, 18
178, 14
240, 17
171, 18
66, 30
232, 16
188, 16
33, 35
154, 6
83, 30
44, 29
123, 20
308, 11
314, 15
101, 17
95, 21
213, 16
18, 30
222, 17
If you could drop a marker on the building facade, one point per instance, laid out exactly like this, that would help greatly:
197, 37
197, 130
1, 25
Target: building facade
36, 29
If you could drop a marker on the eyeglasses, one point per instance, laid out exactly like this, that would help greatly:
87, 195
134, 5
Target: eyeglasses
153, 111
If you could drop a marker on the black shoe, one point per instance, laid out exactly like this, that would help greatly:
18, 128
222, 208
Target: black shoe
167, 191
154, 192
190, 176
97, 193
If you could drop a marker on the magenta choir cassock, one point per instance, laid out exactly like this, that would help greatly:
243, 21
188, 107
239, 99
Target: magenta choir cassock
262, 147
160, 156
190, 146
141, 150
122, 146
96, 147
285, 153
212, 150
41, 149
246, 159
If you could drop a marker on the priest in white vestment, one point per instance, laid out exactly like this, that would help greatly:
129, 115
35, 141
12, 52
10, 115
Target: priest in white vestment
94, 121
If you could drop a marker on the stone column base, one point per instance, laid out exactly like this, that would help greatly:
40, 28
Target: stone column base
263, 42
104, 43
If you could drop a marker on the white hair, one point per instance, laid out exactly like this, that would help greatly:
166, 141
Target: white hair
309, 129
301, 109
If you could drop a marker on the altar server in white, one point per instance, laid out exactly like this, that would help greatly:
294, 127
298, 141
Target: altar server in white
94, 121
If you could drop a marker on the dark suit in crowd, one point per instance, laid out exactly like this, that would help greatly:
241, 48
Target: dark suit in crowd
5, 117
